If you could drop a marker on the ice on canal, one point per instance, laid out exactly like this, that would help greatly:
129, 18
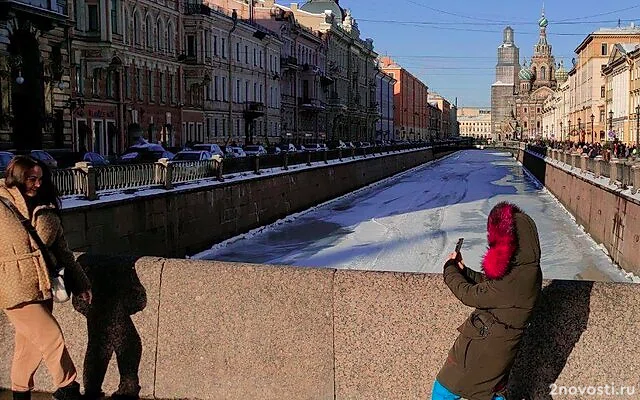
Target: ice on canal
411, 222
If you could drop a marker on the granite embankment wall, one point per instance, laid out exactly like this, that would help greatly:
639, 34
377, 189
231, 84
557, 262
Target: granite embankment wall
183, 222
607, 212
214, 330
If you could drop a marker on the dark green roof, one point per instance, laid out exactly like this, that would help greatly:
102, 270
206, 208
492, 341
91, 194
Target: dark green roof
319, 6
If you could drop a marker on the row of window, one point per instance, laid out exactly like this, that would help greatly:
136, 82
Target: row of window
217, 128
148, 83
217, 91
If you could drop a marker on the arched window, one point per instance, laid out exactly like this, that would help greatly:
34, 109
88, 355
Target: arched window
149, 31
137, 28
159, 35
170, 38
535, 72
551, 76
126, 36
543, 73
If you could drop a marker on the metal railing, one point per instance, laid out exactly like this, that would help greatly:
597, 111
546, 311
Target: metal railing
70, 181
127, 176
187, 171
85, 180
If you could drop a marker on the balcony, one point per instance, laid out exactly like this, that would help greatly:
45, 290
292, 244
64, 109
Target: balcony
197, 9
288, 62
53, 9
253, 109
309, 104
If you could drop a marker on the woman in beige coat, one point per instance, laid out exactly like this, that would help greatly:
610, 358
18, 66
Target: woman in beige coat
25, 293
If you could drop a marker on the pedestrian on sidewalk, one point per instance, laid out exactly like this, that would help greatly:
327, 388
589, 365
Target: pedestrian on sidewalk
25, 292
478, 364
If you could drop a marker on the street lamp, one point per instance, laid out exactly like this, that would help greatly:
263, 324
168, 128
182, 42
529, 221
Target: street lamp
561, 133
570, 134
592, 118
579, 124
610, 121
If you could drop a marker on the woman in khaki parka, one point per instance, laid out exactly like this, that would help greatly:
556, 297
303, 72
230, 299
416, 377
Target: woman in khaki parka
25, 293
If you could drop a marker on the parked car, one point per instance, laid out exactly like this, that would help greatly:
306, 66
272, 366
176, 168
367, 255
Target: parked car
214, 149
234, 152
45, 157
95, 159
255, 150
5, 157
274, 150
193, 155
336, 144
144, 153
289, 148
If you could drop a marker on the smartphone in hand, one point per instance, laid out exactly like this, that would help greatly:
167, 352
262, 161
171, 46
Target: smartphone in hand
459, 245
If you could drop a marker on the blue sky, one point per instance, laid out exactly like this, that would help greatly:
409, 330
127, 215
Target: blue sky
457, 56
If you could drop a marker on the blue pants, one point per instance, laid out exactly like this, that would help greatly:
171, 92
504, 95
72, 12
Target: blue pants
442, 393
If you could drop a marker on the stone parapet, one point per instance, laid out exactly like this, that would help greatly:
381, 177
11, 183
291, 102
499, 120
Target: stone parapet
216, 330
608, 211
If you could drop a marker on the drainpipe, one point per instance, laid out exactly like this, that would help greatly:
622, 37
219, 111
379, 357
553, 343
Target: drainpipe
234, 18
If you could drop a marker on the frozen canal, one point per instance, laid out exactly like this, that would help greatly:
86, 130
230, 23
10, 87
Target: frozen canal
411, 222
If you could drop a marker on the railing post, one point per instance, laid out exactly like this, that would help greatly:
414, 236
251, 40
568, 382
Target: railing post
285, 165
583, 162
163, 164
256, 165
597, 167
353, 152
613, 171
308, 158
635, 178
89, 174
219, 176
340, 154
324, 156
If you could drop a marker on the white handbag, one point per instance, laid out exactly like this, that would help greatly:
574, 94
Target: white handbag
59, 292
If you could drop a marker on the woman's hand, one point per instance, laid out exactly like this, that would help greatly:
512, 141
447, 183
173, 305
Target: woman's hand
456, 257
86, 296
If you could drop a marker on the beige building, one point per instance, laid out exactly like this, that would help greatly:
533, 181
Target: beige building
475, 122
445, 130
352, 110
588, 87
622, 85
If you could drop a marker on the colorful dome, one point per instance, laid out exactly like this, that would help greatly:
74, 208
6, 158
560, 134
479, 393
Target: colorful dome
561, 73
543, 22
525, 74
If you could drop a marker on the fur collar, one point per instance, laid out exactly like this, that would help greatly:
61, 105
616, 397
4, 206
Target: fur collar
502, 238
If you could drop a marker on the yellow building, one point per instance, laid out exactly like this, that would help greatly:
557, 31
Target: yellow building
587, 83
622, 84
475, 122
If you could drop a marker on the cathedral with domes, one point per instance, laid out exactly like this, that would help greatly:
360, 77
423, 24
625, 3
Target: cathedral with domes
517, 102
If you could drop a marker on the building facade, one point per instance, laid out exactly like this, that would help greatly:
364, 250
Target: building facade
475, 123
352, 111
588, 88
621, 97
435, 120
504, 89
385, 127
445, 128
410, 100
34, 74
127, 76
